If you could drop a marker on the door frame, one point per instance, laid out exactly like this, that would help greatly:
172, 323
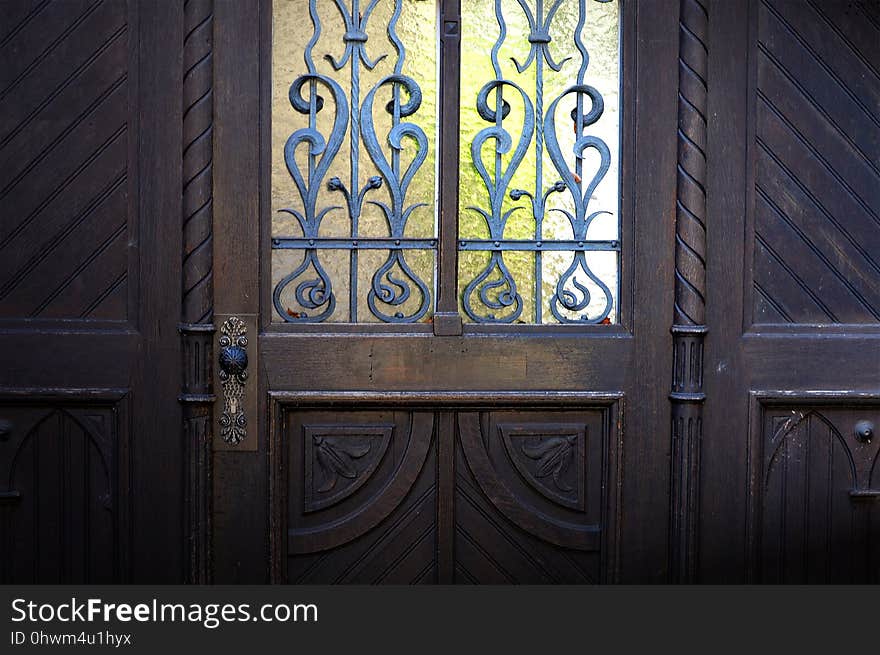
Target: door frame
242, 478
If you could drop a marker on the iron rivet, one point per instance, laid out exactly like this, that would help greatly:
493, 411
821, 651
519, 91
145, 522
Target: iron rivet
311, 242
397, 242
864, 430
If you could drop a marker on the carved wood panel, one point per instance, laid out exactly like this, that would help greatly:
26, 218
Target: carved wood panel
817, 163
64, 151
530, 496
359, 496
816, 486
63, 493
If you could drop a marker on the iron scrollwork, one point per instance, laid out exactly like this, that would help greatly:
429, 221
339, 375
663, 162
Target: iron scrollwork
395, 282
492, 295
233, 375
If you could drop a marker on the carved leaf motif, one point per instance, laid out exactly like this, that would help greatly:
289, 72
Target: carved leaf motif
336, 458
554, 457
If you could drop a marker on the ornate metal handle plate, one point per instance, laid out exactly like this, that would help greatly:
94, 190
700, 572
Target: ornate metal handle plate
233, 376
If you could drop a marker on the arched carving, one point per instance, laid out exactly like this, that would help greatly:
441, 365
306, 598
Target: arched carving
556, 530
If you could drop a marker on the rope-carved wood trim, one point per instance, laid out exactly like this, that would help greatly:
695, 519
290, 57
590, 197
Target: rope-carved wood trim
689, 327
197, 311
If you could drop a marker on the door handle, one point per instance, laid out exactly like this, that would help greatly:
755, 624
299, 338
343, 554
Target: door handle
233, 360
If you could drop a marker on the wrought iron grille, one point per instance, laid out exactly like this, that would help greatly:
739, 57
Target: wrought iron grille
310, 152
523, 114
536, 243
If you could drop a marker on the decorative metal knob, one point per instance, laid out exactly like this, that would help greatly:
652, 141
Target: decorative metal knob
864, 430
233, 360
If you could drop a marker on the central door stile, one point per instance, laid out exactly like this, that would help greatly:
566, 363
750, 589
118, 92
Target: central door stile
446, 435
447, 319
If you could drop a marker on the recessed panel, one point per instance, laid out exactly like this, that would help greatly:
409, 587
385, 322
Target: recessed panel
816, 489
817, 165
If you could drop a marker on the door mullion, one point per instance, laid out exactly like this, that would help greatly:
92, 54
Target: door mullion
447, 320
445, 439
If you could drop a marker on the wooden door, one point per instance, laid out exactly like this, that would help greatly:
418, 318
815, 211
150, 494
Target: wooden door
790, 455
178, 401
90, 450
410, 447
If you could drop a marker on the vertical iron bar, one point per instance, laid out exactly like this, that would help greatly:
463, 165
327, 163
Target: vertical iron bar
354, 189
537, 201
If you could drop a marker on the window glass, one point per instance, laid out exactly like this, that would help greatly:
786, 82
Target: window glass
354, 179
538, 193
354, 234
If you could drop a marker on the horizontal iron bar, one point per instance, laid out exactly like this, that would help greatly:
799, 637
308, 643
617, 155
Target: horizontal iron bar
384, 243
371, 243
525, 244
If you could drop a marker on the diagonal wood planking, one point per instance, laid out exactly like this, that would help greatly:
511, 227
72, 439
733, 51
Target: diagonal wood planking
64, 106
817, 168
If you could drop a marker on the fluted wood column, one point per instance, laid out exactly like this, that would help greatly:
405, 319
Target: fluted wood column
689, 323
197, 313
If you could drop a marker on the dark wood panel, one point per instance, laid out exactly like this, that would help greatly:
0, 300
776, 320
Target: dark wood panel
817, 175
813, 503
491, 362
239, 526
65, 154
360, 496
65, 492
650, 153
16, 16
790, 361
531, 497
793, 290
90, 235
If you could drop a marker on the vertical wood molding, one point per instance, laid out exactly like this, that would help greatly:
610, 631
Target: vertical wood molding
197, 311
689, 329
446, 435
